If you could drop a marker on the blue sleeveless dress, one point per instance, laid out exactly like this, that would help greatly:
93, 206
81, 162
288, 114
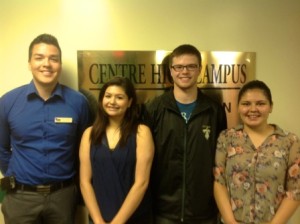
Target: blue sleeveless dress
113, 175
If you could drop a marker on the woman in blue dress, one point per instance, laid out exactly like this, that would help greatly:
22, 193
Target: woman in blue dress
116, 155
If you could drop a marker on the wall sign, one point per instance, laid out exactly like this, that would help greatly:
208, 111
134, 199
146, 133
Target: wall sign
222, 75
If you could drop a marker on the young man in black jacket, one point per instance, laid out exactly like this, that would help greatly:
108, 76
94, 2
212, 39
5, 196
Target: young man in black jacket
185, 125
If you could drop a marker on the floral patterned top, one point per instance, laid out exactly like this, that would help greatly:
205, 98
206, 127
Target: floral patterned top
258, 179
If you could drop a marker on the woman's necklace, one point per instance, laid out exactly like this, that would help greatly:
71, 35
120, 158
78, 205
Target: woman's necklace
113, 137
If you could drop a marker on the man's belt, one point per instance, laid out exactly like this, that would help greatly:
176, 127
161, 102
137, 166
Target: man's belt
44, 188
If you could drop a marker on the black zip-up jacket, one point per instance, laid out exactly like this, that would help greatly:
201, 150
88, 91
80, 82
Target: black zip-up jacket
182, 174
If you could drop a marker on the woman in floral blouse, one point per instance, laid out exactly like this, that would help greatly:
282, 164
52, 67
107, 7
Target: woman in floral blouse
257, 174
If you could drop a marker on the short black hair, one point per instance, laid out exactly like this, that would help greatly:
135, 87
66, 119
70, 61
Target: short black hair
44, 38
185, 49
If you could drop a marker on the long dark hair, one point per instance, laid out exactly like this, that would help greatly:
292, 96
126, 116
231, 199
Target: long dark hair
130, 121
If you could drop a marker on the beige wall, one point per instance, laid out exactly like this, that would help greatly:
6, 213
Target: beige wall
268, 27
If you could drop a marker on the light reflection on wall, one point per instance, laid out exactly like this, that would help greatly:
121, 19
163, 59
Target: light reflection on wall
226, 57
160, 55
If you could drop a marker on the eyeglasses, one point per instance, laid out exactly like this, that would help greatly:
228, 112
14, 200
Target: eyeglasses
180, 68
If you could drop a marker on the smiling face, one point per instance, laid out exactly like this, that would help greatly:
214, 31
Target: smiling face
187, 78
45, 65
115, 101
254, 108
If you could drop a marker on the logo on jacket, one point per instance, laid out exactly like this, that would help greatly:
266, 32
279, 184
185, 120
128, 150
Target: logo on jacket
206, 131
185, 116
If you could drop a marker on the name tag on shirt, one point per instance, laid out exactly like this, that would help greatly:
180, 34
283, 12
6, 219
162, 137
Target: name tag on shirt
63, 119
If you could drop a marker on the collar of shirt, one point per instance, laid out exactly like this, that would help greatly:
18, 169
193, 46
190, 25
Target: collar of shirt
277, 129
32, 91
